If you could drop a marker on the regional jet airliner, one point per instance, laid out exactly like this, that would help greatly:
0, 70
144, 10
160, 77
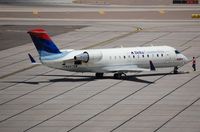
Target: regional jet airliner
112, 60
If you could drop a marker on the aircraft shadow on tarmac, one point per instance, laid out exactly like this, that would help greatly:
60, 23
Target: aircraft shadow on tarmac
83, 78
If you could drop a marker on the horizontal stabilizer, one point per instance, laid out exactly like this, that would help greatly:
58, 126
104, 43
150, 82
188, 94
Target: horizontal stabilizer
31, 58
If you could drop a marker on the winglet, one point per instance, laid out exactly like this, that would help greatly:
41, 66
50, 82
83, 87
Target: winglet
152, 67
31, 58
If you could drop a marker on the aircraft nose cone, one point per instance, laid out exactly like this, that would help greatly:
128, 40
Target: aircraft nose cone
185, 59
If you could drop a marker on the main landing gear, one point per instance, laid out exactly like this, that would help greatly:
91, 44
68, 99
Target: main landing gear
99, 75
116, 75
119, 75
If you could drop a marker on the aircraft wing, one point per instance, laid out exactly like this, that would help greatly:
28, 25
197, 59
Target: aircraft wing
128, 68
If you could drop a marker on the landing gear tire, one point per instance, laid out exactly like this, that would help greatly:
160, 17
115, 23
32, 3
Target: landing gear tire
175, 70
118, 75
99, 75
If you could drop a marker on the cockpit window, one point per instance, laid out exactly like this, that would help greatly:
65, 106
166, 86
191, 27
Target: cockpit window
177, 52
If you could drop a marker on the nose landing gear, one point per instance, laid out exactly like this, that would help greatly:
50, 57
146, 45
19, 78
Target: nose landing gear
175, 70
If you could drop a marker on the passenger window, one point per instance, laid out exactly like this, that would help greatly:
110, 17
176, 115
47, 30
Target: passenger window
143, 56
124, 57
162, 55
148, 56
133, 56
157, 55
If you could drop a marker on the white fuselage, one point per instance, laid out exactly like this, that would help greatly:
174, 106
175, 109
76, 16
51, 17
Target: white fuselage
161, 56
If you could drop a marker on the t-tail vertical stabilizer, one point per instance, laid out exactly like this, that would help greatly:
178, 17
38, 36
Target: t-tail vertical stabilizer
43, 43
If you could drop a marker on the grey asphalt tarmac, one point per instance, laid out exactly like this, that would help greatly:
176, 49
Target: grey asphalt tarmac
16, 35
40, 99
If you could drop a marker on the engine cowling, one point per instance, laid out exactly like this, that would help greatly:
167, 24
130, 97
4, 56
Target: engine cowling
89, 56
82, 57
